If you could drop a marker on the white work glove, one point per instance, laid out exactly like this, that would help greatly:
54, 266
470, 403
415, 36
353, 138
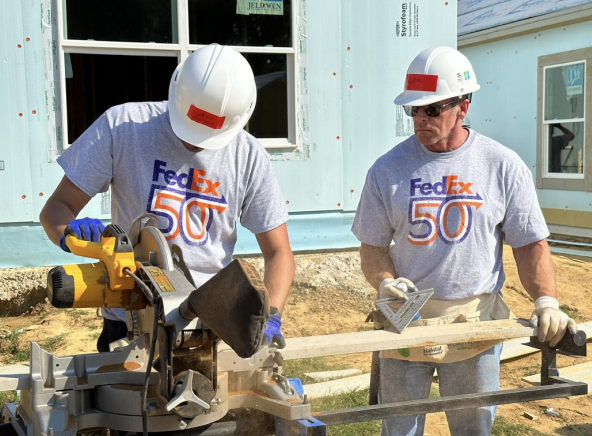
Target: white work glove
551, 321
396, 289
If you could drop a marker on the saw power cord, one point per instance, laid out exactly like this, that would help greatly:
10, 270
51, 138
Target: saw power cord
153, 297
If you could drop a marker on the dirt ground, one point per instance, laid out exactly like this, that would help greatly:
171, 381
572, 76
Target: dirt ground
330, 295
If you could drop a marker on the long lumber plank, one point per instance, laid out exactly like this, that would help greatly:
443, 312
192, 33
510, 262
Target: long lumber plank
514, 347
336, 387
376, 340
579, 373
14, 377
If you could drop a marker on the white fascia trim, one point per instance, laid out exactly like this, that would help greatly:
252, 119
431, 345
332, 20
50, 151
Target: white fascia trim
277, 144
121, 48
556, 19
252, 49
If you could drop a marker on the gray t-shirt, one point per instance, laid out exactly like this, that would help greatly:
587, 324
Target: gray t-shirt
198, 197
449, 213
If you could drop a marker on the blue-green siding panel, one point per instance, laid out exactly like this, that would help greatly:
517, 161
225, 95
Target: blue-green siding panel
40, 169
383, 36
356, 58
505, 108
315, 183
16, 119
308, 232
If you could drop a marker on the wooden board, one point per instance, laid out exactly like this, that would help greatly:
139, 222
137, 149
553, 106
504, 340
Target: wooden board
376, 340
514, 347
336, 387
578, 373
323, 376
14, 377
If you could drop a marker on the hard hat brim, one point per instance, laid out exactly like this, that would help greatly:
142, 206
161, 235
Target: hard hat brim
418, 98
197, 138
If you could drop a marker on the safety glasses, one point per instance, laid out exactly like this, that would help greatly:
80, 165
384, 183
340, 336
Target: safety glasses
431, 110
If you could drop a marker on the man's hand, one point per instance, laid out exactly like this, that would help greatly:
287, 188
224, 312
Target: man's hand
551, 321
396, 289
86, 229
272, 332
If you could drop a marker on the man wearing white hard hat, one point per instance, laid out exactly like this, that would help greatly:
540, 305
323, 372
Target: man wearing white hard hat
434, 213
189, 162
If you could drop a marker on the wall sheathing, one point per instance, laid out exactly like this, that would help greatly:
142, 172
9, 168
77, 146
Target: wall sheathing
351, 60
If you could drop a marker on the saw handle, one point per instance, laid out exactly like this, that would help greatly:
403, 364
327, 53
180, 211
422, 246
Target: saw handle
114, 250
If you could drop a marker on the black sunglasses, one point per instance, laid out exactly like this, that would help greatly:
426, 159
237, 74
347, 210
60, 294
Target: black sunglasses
431, 110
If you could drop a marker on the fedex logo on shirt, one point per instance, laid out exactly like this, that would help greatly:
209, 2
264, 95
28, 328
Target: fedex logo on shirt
441, 209
188, 201
193, 181
449, 186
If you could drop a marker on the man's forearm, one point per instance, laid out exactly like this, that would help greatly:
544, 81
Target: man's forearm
63, 206
535, 269
376, 264
279, 274
279, 264
54, 217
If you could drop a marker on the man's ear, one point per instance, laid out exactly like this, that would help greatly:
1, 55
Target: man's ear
463, 108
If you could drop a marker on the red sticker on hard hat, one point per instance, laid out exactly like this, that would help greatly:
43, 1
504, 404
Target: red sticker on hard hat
203, 117
422, 82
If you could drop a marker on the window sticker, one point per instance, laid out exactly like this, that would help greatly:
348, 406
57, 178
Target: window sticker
261, 7
575, 78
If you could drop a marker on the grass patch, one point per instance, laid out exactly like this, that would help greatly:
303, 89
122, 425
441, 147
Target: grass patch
572, 312
297, 368
7, 397
90, 325
532, 370
434, 392
53, 343
344, 401
13, 349
503, 427
75, 314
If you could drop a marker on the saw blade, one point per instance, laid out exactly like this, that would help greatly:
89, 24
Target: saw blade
403, 316
153, 249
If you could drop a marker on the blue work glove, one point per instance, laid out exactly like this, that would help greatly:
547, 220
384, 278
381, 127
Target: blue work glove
86, 229
272, 332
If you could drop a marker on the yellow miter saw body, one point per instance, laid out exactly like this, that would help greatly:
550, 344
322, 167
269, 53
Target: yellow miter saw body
102, 284
178, 369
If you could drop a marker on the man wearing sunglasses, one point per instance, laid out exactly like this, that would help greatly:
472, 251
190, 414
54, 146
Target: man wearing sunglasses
434, 213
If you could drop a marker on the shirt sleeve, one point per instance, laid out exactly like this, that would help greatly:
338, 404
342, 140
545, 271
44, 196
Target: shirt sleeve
372, 224
88, 162
263, 207
524, 222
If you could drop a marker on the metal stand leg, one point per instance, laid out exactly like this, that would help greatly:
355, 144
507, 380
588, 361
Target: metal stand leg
573, 345
548, 364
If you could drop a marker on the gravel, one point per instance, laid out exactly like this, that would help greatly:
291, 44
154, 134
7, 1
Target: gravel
21, 289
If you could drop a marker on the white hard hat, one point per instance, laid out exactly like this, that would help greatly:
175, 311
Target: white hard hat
437, 73
212, 95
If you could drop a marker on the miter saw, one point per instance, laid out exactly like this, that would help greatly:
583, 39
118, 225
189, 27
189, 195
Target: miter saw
192, 355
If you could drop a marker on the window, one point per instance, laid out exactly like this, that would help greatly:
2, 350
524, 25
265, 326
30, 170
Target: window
114, 51
564, 144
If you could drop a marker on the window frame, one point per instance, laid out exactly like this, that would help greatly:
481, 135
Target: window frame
181, 50
564, 181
